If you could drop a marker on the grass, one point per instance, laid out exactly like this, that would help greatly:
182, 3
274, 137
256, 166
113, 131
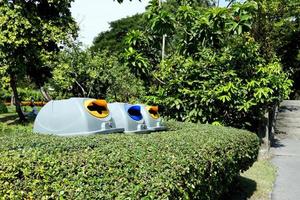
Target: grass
11, 118
8, 118
263, 173
255, 183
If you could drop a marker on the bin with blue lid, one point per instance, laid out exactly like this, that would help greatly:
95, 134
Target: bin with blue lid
129, 117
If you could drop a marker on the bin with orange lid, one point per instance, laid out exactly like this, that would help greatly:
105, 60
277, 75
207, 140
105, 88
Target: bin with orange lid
75, 116
152, 118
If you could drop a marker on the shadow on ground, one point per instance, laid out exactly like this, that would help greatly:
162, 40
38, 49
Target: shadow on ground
276, 143
285, 108
242, 189
13, 119
8, 118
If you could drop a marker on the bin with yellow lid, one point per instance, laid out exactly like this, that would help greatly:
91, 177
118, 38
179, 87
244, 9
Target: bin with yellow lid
152, 118
75, 116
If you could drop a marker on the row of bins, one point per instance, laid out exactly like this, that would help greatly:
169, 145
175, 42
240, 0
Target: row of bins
86, 116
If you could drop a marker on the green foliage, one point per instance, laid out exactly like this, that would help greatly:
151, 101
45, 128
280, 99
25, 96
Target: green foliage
172, 5
196, 27
31, 33
212, 27
190, 162
215, 71
112, 40
277, 28
3, 108
233, 86
99, 75
5, 94
138, 64
27, 94
161, 21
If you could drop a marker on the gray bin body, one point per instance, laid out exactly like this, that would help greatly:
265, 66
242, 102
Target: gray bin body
152, 123
70, 117
131, 123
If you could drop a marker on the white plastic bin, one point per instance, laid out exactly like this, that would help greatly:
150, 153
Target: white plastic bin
129, 117
152, 118
75, 116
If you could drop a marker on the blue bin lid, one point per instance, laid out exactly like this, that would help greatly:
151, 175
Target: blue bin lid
135, 112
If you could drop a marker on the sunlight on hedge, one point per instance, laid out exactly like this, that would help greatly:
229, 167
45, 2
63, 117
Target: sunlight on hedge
186, 162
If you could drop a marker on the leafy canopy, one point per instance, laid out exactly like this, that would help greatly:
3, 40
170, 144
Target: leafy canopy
214, 72
31, 33
84, 73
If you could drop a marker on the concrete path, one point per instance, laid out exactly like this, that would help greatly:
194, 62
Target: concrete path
286, 152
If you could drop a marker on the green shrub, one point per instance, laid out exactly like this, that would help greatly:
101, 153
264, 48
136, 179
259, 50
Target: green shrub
214, 70
26, 94
234, 86
3, 108
189, 161
98, 75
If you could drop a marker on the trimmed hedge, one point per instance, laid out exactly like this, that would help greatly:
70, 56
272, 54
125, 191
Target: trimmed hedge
188, 162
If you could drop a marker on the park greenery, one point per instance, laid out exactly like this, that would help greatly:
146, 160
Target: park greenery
31, 33
189, 162
225, 66
220, 65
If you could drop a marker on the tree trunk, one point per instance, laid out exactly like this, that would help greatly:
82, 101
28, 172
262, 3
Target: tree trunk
12, 99
81, 88
45, 94
13, 85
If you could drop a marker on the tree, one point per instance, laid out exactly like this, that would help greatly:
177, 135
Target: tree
31, 33
277, 28
99, 75
214, 70
187, 30
112, 40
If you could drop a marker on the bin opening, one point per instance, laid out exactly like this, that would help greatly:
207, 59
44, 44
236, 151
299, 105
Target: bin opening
135, 113
97, 108
153, 110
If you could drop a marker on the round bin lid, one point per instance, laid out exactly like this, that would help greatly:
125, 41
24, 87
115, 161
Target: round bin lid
135, 112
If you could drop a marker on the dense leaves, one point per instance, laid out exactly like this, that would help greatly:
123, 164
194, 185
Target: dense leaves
30, 34
229, 88
3, 108
190, 161
277, 28
85, 74
215, 70
221, 65
113, 39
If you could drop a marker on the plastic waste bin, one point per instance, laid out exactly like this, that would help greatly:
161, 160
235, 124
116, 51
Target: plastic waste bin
152, 118
129, 117
75, 116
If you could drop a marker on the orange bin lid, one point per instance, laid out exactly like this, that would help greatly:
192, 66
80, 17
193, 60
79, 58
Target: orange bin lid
153, 110
104, 112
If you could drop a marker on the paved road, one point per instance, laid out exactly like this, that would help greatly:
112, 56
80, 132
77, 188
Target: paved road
287, 152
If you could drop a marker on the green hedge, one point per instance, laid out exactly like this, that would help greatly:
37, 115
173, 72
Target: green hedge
188, 162
3, 108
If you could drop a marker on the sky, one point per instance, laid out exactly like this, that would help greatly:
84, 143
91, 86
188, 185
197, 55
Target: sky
93, 16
